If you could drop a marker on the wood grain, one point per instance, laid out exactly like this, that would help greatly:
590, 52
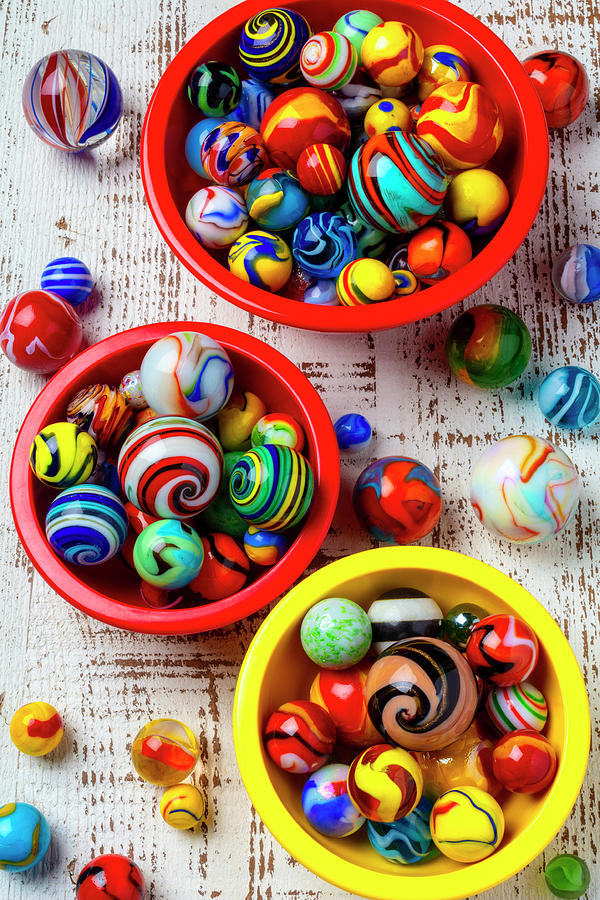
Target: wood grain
108, 683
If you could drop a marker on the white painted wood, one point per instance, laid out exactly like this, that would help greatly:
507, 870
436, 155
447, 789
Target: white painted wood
107, 683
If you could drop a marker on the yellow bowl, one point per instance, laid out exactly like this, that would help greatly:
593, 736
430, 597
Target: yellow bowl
276, 669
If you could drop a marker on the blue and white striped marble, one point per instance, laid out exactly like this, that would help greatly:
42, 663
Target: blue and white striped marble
69, 278
569, 397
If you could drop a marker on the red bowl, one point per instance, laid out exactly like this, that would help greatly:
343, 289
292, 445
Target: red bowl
522, 160
110, 592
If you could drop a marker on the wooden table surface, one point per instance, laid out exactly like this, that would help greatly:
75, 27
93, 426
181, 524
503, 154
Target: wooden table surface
107, 683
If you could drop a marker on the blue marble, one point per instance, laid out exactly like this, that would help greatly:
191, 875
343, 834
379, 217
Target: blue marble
69, 278
323, 244
327, 804
576, 273
276, 200
569, 397
24, 837
322, 293
86, 525
353, 432
195, 139
406, 841
256, 97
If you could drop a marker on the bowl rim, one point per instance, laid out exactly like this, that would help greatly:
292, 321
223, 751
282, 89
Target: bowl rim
466, 881
274, 581
373, 317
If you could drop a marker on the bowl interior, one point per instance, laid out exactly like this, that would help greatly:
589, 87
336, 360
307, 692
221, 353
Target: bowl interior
351, 862
170, 182
112, 589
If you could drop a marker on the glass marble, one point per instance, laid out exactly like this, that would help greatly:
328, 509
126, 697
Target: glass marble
214, 88
524, 761
323, 244
397, 499
221, 517
392, 53
442, 64
69, 278
270, 45
299, 737
256, 97
63, 455
276, 200
182, 807
517, 706
164, 752
131, 390
365, 281
232, 154
355, 26
463, 124
235, 422
385, 783
39, 331
524, 489
438, 250
406, 282
86, 525
110, 876
104, 413
370, 241
321, 169
264, 548
502, 649
225, 569
567, 876
278, 428
383, 194
406, 841
336, 633
403, 613
170, 467
272, 487
187, 374
467, 824
300, 117
195, 139
36, 729
72, 100
478, 201
24, 837
488, 346
327, 804
569, 397
216, 216
328, 60
467, 761
387, 114
576, 273
460, 621
322, 293
262, 259
168, 554
435, 672
561, 83
342, 693
353, 432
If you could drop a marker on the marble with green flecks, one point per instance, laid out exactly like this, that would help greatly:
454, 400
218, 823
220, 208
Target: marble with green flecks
336, 633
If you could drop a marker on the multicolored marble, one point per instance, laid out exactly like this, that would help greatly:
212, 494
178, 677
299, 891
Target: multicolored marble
39, 331
502, 649
336, 633
299, 737
467, 824
24, 837
365, 281
569, 397
36, 729
108, 876
182, 806
517, 706
225, 568
270, 45
353, 432
214, 88
272, 486
86, 525
478, 201
385, 783
328, 60
327, 804
164, 752
168, 554
264, 548
69, 278
524, 761
276, 200
403, 613
104, 413
342, 693
355, 26
488, 346
438, 250
392, 53
442, 64
561, 83
232, 154
300, 117
323, 244
406, 841
576, 273
262, 259
63, 455
217, 216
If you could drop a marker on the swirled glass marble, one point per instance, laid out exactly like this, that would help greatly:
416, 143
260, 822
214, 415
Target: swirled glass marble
131, 390
524, 489
387, 114
576, 273
342, 693
225, 568
438, 250
264, 548
104, 413
232, 154
278, 428
502, 649
69, 278
524, 761
421, 694
170, 467
164, 752
323, 244
392, 53
39, 331
168, 554
108, 876
262, 259
272, 486
336, 633
353, 432
182, 807
186, 374
396, 182
195, 139
567, 876
406, 841
321, 169
327, 804
256, 97
300, 117
517, 706
216, 216
36, 729
24, 837
371, 242
299, 737
442, 64
365, 281
214, 88
385, 783
328, 60
63, 455
488, 346
72, 100
467, 824
403, 613
270, 45
276, 200
478, 201
86, 525
561, 83
463, 123
355, 26
569, 397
